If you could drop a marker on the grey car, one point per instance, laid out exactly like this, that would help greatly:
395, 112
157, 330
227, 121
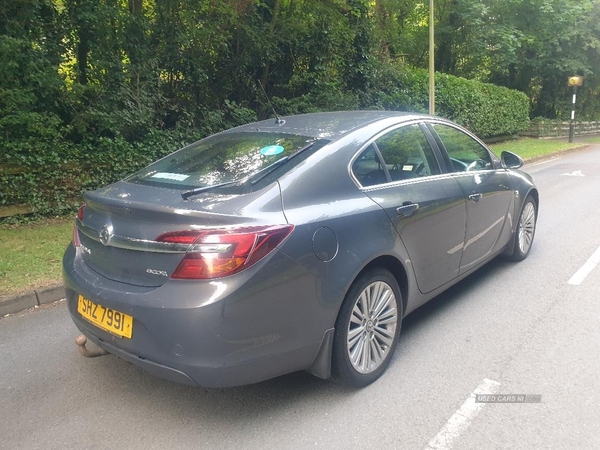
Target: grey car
291, 244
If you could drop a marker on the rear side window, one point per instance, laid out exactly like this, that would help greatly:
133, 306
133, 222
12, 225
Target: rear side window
227, 158
368, 168
400, 154
407, 153
465, 153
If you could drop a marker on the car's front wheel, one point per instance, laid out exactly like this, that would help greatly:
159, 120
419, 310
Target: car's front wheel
367, 328
525, 230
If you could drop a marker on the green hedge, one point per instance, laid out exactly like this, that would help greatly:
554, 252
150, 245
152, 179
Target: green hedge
485, 109
49, 173
48, 164
54, 185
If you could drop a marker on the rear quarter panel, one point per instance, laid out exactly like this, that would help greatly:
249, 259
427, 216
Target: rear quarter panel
320, 193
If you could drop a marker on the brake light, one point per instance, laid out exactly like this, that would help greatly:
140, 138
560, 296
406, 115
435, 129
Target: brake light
80, 212
220, 253
80, 218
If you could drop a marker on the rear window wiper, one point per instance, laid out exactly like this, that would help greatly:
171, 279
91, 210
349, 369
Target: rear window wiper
190, 193
267, 170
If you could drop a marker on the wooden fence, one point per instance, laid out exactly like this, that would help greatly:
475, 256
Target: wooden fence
557, 128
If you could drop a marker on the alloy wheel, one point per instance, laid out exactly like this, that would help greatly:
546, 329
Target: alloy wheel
372, 327
526, 227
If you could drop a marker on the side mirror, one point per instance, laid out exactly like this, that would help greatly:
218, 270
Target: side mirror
511, 161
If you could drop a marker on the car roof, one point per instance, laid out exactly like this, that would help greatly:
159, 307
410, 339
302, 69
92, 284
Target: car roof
327, 125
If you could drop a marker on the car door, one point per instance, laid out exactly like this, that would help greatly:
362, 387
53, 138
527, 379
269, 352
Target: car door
400, 171
487, 189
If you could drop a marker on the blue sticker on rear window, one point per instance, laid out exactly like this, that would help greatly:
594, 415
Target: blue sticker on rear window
271, 150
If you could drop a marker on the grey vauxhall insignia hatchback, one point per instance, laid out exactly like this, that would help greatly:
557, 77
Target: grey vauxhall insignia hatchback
292, 244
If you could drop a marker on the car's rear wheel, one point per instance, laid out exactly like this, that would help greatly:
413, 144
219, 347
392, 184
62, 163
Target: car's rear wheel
525, 230
367, 328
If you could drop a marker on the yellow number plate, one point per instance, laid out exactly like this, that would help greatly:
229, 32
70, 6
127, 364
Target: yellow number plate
114, 322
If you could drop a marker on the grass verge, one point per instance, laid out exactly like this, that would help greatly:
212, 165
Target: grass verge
528, 148
31, 255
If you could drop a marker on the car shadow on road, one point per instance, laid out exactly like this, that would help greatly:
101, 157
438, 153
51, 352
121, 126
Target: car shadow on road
455, 294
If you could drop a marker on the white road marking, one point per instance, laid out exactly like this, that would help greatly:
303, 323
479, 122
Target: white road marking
585, 270
575, 173
462, 418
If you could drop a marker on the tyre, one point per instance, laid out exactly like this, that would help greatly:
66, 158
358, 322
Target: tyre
367, 328
525, 230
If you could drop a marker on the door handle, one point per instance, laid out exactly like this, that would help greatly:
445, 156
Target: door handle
475, 197
407, 209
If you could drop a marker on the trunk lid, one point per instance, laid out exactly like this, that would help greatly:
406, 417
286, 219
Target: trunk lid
121, 222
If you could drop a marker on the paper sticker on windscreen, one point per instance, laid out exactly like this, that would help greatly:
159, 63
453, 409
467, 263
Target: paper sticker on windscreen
170, 176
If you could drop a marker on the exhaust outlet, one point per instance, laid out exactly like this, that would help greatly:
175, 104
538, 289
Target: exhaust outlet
81, 341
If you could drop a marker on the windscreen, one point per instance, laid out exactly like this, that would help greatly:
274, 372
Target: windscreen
225, 158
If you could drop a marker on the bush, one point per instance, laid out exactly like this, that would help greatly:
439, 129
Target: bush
53, 185
485, 109
323, 99
49, 162
50, 173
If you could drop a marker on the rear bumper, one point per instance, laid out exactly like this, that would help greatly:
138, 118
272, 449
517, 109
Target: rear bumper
158, 370
264, 322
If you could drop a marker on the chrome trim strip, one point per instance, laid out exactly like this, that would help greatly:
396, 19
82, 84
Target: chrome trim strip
406, 182
129, 243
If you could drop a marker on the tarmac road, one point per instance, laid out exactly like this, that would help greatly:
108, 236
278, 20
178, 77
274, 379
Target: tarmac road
513, 328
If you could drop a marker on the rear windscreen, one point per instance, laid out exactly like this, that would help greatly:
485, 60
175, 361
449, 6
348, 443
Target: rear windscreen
226, 158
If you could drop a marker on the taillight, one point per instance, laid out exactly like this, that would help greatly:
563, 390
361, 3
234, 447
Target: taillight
80, 212
80, 218
219, 253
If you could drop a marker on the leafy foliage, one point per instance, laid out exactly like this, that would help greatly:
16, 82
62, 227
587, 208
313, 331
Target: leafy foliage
92, 90
484, 108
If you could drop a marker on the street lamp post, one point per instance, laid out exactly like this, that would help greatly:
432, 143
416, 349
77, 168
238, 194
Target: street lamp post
431, 62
